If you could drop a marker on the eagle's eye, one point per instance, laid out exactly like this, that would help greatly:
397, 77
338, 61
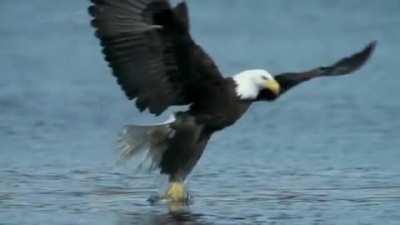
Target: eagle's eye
264, 78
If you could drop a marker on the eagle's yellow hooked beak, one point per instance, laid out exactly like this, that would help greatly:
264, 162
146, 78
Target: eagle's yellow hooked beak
273, 86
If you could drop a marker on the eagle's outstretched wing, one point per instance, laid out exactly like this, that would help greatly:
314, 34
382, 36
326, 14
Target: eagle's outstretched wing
149, 48
342, 67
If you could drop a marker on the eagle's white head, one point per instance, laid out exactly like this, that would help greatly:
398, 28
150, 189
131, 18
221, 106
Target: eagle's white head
250, 82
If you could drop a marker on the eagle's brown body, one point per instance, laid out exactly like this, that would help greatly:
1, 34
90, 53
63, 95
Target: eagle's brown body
217, 108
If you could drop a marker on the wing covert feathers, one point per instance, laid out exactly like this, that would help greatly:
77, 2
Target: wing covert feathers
149, 48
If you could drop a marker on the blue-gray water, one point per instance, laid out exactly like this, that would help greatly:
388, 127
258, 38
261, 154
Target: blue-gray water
325, 153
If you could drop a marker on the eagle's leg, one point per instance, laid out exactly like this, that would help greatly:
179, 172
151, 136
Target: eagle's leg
184, 150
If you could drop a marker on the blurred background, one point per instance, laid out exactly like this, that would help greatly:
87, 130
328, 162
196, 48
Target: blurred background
325, 153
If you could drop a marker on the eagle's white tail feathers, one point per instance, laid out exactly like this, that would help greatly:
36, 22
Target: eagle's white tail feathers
145, 144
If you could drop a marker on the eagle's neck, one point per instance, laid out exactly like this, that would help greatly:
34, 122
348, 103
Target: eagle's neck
246, 88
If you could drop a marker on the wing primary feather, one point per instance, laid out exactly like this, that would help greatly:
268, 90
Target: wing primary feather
344, 66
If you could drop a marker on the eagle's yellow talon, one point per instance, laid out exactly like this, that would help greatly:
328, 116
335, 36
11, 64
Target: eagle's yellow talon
176, 192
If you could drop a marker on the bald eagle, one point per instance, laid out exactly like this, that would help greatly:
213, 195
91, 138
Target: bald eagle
148, 45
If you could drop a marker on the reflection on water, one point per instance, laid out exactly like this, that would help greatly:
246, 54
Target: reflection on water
172, 217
